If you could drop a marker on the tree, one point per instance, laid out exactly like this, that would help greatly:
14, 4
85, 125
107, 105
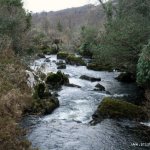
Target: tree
143, 67
126, 31
88, 40
15, 22
59, 26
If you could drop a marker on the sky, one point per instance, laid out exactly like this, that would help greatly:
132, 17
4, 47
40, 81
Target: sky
54, 5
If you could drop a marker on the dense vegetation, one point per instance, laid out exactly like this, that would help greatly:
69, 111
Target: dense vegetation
14, 92
125, 36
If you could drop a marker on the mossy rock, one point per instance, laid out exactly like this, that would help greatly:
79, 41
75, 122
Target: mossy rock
56, 80
119, 109
62, 55
40, 55
75, 60
43, 106
98, 67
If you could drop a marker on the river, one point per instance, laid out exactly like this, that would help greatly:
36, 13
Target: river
68, 128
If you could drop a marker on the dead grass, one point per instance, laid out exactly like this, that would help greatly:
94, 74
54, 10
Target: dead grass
15, 96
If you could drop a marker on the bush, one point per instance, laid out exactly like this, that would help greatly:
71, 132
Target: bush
143, 67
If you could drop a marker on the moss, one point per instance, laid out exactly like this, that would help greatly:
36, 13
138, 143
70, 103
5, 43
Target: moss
98, 67
74, 60
55, 80
118, 109
62, 55
43, 106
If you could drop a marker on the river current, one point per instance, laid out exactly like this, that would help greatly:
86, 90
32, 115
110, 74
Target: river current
68, 128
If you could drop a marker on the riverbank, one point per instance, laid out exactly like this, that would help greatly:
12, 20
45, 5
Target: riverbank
15, 96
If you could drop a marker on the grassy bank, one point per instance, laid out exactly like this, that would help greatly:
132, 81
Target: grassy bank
14, 98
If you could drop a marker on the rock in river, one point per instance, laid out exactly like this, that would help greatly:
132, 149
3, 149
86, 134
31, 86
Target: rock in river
111, 108
99, 87
92, 79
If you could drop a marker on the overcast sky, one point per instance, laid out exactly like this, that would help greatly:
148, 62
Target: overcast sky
53, 5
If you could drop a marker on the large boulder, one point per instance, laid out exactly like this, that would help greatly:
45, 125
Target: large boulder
92, 79
56, 80
126, 77
43, 101
119, 109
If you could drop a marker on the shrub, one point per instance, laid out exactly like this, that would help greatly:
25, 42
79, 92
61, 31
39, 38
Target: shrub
143, 67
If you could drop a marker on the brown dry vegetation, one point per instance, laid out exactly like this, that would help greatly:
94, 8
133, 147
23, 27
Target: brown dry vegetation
14, 97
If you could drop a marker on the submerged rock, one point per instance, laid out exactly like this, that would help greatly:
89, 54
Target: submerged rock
61, 65
126, 77
99, 87
73, 85
47, 60
119, 109
92, 79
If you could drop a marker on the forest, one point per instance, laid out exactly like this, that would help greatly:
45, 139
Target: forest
69, 65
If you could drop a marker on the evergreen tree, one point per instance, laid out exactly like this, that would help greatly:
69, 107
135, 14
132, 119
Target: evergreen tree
59, 26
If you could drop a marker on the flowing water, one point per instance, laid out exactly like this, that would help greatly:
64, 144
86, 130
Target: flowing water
68, 128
